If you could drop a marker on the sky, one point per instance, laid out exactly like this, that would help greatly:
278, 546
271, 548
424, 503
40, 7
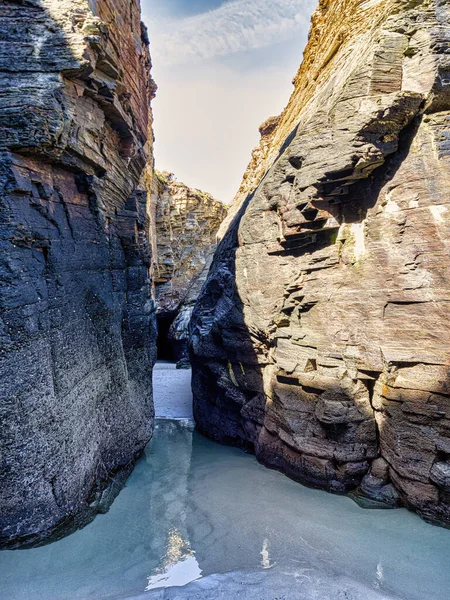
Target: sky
222, 67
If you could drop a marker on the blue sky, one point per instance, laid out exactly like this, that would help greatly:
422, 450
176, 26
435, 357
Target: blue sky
222, 67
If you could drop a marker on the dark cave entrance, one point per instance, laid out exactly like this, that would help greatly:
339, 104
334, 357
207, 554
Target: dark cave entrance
166, 348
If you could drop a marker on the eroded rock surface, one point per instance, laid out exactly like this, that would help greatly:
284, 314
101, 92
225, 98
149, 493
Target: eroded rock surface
186, 222
77, 322
321, 338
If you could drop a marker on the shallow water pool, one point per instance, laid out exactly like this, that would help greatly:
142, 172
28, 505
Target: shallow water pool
195, 511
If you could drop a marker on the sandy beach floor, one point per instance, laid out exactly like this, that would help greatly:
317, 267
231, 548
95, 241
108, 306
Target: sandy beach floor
172, 392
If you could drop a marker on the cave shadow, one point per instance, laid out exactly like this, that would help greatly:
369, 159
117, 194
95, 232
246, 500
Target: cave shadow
166, 349
220, 346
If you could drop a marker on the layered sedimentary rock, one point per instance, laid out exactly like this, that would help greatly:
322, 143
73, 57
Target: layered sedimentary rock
321, 338
186, 221
77, 322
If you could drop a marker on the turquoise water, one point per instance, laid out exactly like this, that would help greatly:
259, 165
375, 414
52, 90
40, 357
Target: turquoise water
196, 511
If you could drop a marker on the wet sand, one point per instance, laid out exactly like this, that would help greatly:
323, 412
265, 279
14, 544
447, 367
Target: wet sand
172, 392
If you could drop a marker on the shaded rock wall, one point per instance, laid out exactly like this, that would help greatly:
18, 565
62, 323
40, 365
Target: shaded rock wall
321, 338
186, 221
77, 322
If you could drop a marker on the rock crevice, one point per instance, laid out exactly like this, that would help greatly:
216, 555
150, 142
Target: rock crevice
185, 225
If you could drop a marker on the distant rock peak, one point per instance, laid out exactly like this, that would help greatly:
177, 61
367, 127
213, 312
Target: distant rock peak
185, 223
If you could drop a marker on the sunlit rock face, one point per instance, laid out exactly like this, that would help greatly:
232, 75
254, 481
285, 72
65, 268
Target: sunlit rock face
321, 338
77, 320
186, 221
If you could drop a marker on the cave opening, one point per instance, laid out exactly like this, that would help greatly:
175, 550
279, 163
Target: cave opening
165, 345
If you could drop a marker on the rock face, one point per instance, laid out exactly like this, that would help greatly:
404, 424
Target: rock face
186, 222
321, 338
77, 322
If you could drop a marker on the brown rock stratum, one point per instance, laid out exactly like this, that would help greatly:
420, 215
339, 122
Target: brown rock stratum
186, 225
321, 340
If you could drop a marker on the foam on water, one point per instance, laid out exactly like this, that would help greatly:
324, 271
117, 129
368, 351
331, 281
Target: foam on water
194, 511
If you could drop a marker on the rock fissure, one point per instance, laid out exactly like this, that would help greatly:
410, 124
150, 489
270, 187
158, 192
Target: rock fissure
185, 225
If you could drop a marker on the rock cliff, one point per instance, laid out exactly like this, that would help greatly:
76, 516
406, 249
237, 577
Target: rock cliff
186, 222
320, 341
77, 323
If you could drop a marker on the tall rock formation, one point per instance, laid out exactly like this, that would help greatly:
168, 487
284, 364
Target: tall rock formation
77, 324
186, 222
321, 338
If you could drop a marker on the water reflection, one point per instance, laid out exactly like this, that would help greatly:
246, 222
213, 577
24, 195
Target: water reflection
170, 460
178, 567
265, 560
379, 576
193, 508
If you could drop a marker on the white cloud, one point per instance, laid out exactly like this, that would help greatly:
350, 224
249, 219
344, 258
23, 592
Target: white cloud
233, 27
